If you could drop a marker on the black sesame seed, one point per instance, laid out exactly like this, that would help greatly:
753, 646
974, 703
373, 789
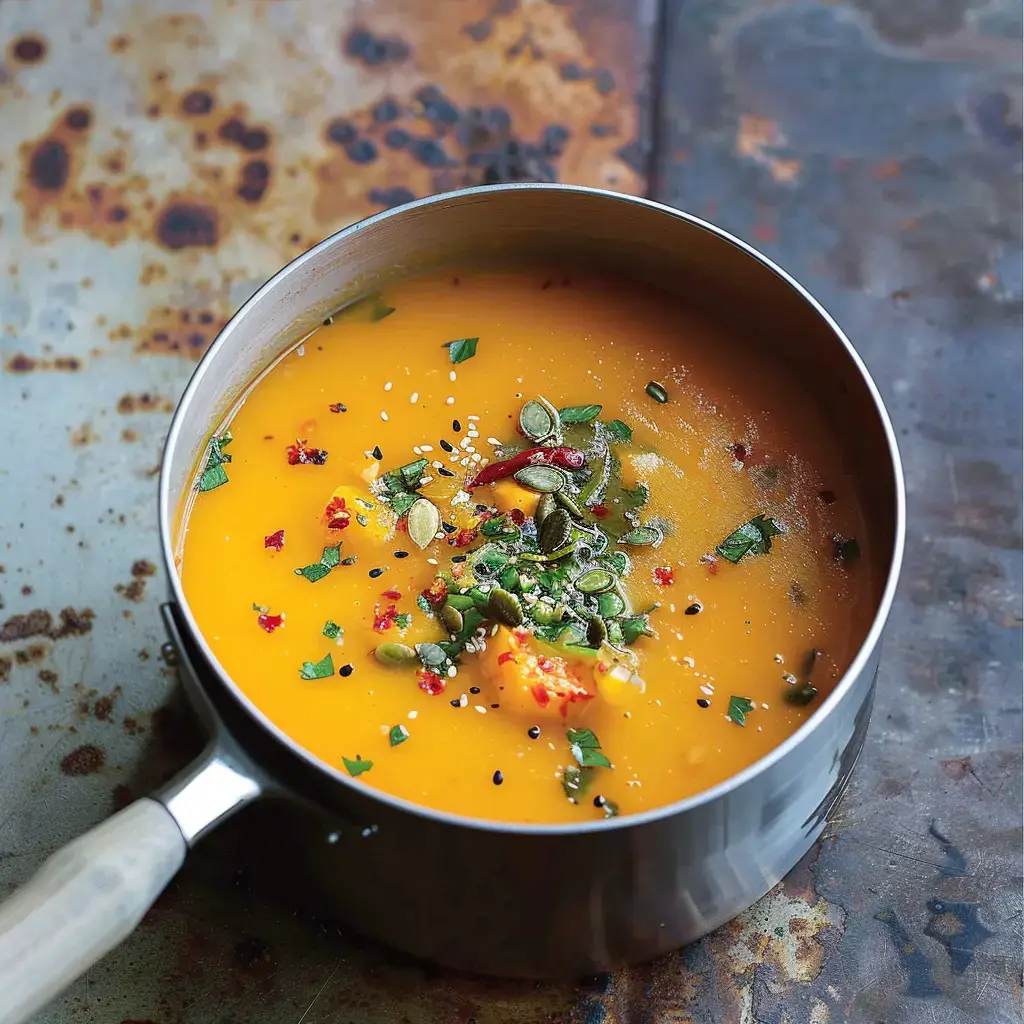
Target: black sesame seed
495, 706
447, 446
703, 702
693, 609
444, 472
497, 778
377, 453
449, 527
481, 508
346, 670
351, 560
374, 573
455, 703
599, 801
533, 732
474, 689
401, 554
458, 558
457, 426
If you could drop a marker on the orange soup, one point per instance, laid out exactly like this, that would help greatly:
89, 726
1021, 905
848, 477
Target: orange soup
529, 547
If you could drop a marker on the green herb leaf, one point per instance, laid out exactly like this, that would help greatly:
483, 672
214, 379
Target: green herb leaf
332, 630
618, 431
214, 475
314, 572
634, 628
738, 708
586, 748
356, 767
317, 669
637, 496
397, 734
576, 781
753, 538
579, 413
331, 556
461, 350
642, 536
405, 478
403, 621
401, 503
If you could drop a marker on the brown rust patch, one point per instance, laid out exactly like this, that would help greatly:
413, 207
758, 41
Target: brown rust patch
27, 49
84, 436
135, 590
21, 363
5, 668
103, 707
32, 654
84, 760
145, 401
49, 678
143, 568
186, 332
185, 223
39, 622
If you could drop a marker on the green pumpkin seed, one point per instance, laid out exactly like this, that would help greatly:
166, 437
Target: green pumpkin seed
505, 608
594, 581
657, 392
424, 522
479, 598
508, 578
609, 605
542, 479
597, 631
569, 505
395, 655
459, 601
556, 532
617, 561
545, 507
535, 421
452, 618
642, 536
431, 655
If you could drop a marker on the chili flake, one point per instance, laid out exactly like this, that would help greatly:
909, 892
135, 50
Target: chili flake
664, 576
384, 620
436, 593
338, 407
600, 511
301, 454
336, 515
517, 516
463, 538
505, 657
269, 622
430, 682
275, 540
392, 595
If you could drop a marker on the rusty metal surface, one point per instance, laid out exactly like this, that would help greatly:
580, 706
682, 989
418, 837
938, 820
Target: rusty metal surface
159, 159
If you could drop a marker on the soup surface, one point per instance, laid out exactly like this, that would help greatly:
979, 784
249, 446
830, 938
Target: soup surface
595, 555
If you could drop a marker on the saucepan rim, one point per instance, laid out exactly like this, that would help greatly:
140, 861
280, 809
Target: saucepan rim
734, 782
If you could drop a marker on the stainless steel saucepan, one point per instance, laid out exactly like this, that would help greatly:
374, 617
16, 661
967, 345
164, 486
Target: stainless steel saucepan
507, 899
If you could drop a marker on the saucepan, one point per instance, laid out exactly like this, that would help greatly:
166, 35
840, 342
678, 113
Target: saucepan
490, 897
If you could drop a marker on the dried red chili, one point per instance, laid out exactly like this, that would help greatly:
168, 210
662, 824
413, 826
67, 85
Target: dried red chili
505, 657
269, 622
430, 682
384, 620
302, 454
437, 593
562, 458
336, 515
392, 595
600, 511
463, 538
275, 540
664, 576
517, 516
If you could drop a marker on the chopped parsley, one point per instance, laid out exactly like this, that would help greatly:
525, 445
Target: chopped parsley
356, 767
329, 559
317, 669
738, 709
586, 748
461, 349
753, 538
579, 413
214, 475
398, 734
332, 630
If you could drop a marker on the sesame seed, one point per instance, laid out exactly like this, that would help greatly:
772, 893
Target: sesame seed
458, 558
432, 561
450, 400
494, 442
424, 480
451, 376
414, 397
383, 415
452, 671
463, 700
473, 419
437, 465
446, 445
694, 609
374, 573
426, 447
346, 670
442, 471
401, 554
599, 801
497, 778
475, 457
474, 689
457, 426
377, 453
533, 732
388, 386
416, 450
480, 708
413, 714
464, 462
494, 707
703, 702
455, 702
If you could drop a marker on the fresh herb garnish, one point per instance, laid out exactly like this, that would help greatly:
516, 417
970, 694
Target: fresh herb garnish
586, 748
356, 767
576, 781
332, 630
331, 556
403, 621
579, 413
618, 431
317, 669
329, 559
397, 734
753, 538
461, 349
643, 536
404, 479
738, 708
215, 475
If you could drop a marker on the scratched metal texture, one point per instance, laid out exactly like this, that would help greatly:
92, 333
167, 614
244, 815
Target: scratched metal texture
159, 160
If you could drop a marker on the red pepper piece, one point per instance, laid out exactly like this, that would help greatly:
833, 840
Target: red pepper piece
505, 657
269, 622
437, 593
561, 458
429, 681
517, 516
336, 515
392, 595
600, 511
664, 576
275, 540
384, 620
462, 539
302, 454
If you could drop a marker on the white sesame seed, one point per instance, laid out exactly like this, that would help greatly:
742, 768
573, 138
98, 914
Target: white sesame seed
472, 433
475, 457
383, 415
416, 450
464, 462
452, 671
450, 400
424, 480
480, 708
494, 442
388, 386
437, 465
301, 350
463, 700
465, 442
414, 397
413, 714
426, 447
432, 561
764, 707
451, 376
473, 419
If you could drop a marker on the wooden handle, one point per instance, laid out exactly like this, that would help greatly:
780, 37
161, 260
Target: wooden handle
81, 903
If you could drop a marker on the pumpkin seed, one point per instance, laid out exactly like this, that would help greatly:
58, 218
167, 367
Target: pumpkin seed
610, 604
594, 581
508, 579
395, 655
569, 505
424, 521
459, 601
452, 618
535, 421
479, 598
431, 655
642, 536
556, 419
657, 392
542, 479
505, 608
597, 631
556, 531
545, 507
618, 561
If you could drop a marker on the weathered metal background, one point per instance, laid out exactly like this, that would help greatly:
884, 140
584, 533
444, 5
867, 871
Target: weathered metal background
159, 159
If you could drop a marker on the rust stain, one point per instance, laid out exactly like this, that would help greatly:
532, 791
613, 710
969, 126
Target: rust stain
50, 678
6, 665
84, 760
143, 568
185, 223
145, 401
186, 332
21, 363
84, 436
27, 49
32, 654
759, 139
103, 707
39, 622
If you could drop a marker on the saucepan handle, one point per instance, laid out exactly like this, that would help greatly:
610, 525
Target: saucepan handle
82, 902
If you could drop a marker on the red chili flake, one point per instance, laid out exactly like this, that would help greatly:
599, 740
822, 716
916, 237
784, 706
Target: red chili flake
541, 695
430, 682
383, 620
392, 595
505, 657
517, 516
403, 525
275, 540
664, 576
336, 515
601, 511
338, 407
739, 451
269, 622
603, 666
301, 454
458, 569
545, 664
712, 568
437, 592
463, 538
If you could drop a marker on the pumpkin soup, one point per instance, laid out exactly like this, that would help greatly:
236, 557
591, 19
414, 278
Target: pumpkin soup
529, 547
